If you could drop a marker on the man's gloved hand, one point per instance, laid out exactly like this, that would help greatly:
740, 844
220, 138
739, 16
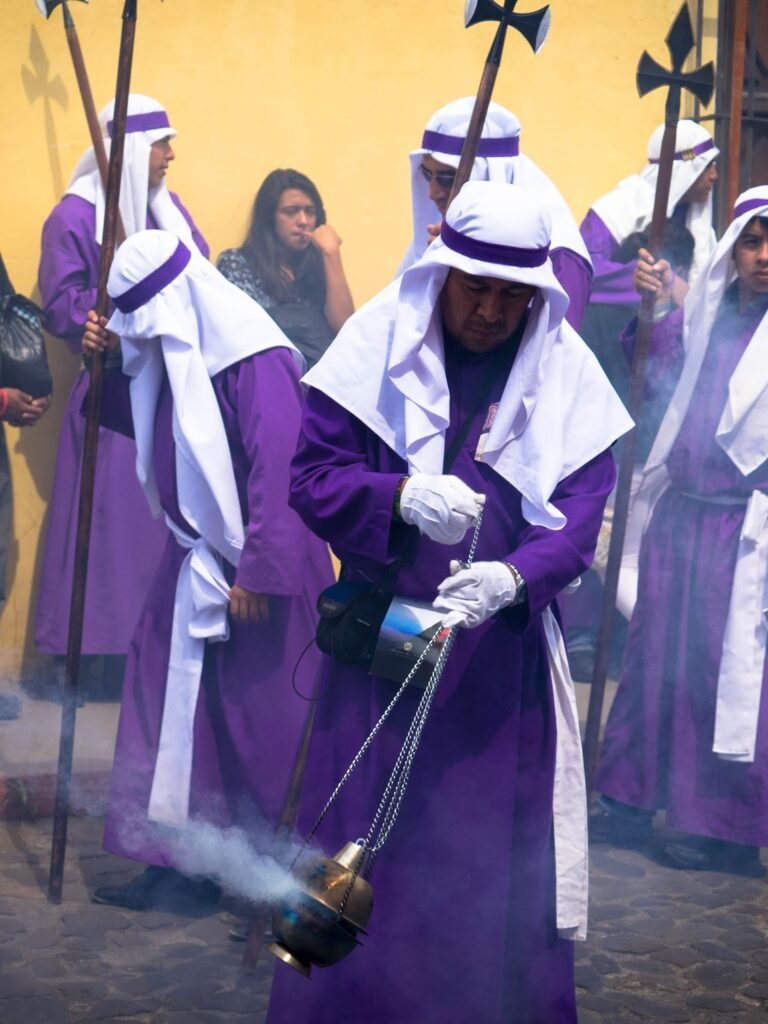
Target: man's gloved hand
442, 507
470, 596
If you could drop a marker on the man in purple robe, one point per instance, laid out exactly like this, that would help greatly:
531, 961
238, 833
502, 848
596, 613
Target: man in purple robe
687, 729
126, 543
209, 719
458, 386
608, 226
433, 168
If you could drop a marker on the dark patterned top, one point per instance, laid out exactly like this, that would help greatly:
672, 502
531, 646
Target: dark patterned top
236, 268
303, 322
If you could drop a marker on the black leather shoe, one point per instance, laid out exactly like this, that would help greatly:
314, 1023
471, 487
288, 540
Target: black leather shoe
620, 824
161, 889
700, 853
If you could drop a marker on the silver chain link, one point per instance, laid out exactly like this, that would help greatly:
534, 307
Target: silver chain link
389, 805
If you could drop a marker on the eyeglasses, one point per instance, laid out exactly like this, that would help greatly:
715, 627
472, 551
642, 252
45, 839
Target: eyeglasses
444, 179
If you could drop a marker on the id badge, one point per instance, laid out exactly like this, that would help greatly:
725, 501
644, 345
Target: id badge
483, 439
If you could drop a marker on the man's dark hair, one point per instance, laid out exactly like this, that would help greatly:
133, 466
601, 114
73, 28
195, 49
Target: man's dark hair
264, 253
762, 221
677, 246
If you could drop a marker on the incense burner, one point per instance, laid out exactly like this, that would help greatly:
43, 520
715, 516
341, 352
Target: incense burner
316, 926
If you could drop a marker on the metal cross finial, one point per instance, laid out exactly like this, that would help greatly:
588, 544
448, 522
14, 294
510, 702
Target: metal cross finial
651, 75
533, 26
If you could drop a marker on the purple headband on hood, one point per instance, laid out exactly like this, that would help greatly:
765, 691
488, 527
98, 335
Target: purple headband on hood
437, 142
492, 252
143, 122
749, 204
153, 283
689, 154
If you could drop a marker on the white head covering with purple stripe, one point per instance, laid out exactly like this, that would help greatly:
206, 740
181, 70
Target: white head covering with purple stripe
498, 159
387, 368
174, 310
742, 432
147, 123
629, 207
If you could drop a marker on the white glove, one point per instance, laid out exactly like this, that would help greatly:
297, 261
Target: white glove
442, 507
470, 596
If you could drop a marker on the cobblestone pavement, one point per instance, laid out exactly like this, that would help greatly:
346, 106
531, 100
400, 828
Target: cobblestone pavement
664, 945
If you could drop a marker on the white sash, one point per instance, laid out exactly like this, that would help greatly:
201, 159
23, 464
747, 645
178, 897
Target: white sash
199, 614
569, 799
739, 685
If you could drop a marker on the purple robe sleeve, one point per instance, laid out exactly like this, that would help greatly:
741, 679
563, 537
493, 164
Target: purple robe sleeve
551, 559
612, 281
337, 488
575, 275
69, 268
200, 242
265, 393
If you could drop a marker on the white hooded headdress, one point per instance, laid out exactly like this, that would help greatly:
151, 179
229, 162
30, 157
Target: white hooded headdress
629, 207
742, 432
386, 366
175, 310
146, 124
498, 159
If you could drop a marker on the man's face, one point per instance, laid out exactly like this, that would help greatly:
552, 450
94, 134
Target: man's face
160, 155
295, 217
482, 312
439, 178
750, 254
701, 188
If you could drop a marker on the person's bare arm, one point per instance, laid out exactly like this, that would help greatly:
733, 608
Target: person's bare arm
339, 306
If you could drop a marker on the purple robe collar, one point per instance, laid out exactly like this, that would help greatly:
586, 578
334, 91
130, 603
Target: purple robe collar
689, 154
148, 122
153, 283
492, 252
750, 204
438, 142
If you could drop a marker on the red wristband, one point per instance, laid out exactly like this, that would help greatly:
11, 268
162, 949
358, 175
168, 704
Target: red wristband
3, 401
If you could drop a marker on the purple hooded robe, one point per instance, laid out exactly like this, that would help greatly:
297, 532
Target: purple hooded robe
657, 751
463, 926
249, 717
126, 542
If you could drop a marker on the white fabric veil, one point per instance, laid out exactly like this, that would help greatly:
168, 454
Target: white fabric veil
628, 208
195, 324
386, 366
507, 165
147, 123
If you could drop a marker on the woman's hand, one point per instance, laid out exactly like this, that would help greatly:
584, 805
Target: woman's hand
325, 239
97, 338
20, 409
245, 606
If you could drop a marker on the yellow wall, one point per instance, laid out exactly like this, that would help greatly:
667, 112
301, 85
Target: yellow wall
339, 89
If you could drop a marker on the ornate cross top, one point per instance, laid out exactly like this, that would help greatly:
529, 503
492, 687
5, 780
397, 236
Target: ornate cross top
651, 75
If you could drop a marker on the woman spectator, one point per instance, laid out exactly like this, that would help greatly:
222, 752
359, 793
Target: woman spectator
290, 263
